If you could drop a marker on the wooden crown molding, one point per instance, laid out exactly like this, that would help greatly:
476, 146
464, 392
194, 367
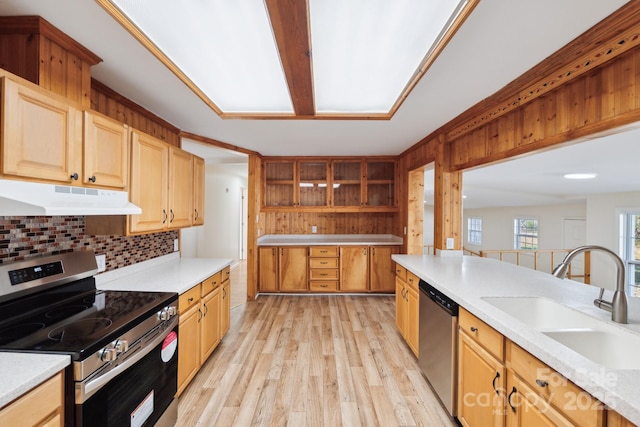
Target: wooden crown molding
219, 144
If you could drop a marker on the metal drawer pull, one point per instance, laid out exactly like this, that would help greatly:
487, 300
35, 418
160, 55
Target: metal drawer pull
541, 383
493, 383
474, 329
190, 299
509, 399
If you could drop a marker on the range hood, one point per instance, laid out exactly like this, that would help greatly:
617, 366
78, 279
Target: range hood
22, 198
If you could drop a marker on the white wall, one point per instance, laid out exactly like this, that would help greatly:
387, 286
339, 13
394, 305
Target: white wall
220, 235
497, 229
602, 229
427, 225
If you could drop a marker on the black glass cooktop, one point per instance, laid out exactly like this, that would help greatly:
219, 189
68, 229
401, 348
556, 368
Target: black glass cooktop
75, 318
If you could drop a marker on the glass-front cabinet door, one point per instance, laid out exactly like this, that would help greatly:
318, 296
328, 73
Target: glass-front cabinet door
347, 183
280, 184
313, 183
380, 183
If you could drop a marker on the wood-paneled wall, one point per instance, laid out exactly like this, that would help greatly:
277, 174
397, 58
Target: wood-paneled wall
331, 223
110, 103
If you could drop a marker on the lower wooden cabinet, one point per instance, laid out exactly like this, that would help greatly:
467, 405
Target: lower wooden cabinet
407, 307
501, 384
614, 419
326, 268
204, 319
43, 406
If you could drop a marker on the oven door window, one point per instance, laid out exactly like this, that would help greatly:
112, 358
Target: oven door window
137, 397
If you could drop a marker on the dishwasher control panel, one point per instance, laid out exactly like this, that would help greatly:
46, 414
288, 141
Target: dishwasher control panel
439, 298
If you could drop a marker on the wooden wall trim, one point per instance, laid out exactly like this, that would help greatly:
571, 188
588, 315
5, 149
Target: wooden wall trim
216, 143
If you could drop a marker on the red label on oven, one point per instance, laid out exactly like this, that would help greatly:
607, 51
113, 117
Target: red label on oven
169, 346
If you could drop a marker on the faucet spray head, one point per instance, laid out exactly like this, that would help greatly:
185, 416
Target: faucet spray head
561, 270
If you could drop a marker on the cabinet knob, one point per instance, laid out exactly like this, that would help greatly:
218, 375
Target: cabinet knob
74, 176
92, 178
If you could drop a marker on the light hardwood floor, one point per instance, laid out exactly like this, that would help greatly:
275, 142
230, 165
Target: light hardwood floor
332, 360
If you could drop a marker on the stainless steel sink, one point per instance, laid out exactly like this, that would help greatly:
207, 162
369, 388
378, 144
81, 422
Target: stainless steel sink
603, 343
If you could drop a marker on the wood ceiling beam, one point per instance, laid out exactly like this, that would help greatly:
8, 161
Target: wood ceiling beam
290, 23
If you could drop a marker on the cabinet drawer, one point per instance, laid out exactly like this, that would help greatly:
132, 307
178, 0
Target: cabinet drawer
484, 334
226, 273
323, 251
211, 283
323, 262
323, 274
323, 286
576, 404
189, 298
412, 280
35, 407
401, 272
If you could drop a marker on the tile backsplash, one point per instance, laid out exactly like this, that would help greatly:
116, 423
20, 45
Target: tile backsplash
23, 237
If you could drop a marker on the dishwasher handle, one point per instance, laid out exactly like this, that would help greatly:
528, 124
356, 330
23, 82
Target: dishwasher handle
443, 301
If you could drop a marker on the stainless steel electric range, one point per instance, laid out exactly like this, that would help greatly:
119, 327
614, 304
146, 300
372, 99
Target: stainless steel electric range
123, 345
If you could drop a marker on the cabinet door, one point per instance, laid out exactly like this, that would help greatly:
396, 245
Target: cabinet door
41, 136
42, 406
313, 183
280, 184
527, 408
412, 325
381, 268
198, 190
225, 308
354, 268
380, 183
188, 346
106, 152
293, 269
268, 269
480, 386
209, 324
347, 183
149, 183
401, 307
180, 188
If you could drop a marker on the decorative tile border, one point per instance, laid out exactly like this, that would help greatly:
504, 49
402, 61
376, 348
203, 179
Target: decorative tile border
30, 236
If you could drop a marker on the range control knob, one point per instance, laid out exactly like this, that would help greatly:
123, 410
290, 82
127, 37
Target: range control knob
108, 354
121, 346
167, 313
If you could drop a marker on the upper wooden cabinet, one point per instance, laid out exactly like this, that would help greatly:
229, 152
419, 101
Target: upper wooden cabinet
106, 152
198, 190
161, 184
45, 138
41, 135
317, 185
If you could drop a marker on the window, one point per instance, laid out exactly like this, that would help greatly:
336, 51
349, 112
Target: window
474, 231
525, 233
630, 245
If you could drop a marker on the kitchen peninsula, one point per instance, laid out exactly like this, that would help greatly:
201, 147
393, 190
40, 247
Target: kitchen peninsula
470, 281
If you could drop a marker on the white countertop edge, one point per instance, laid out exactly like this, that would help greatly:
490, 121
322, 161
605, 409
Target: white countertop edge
134, 268
20, 372
173, 275
329, 239
616, 388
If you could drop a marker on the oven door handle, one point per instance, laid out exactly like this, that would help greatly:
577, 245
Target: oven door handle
87, 388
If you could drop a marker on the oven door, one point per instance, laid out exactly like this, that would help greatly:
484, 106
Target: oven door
142, 391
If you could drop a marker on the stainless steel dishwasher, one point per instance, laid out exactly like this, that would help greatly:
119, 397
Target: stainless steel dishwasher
437, 352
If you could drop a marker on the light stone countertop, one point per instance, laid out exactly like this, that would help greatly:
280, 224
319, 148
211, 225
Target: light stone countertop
328, 239
20, 372
468, 279
168, 273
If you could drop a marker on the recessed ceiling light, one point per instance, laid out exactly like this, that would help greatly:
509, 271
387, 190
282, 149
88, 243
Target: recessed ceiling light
580, 175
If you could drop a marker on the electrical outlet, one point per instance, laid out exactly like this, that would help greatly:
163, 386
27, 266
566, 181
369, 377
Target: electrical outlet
449, 242
101, 260
314, 229
176, 246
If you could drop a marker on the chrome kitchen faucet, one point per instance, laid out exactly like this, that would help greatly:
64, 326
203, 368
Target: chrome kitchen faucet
618, 305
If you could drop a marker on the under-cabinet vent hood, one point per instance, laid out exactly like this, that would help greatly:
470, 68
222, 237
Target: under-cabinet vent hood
21, 198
